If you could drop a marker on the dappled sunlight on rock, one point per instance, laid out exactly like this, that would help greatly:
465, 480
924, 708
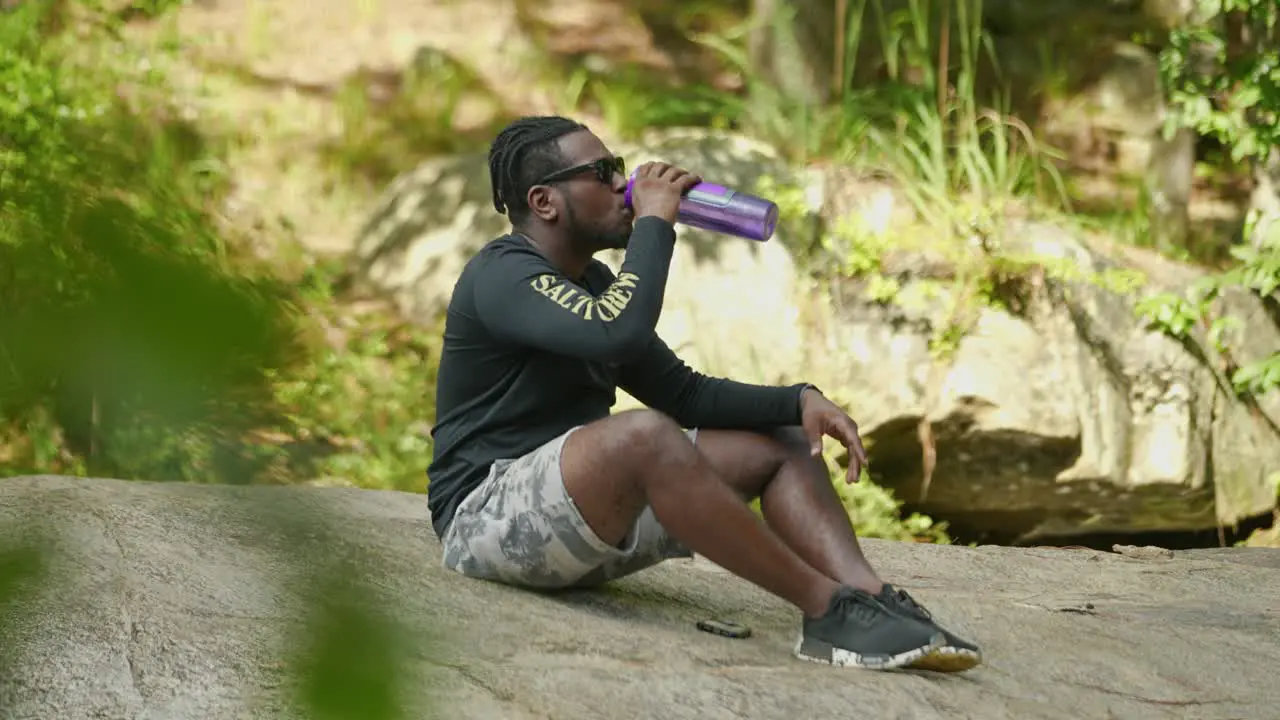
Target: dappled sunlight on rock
1067, 410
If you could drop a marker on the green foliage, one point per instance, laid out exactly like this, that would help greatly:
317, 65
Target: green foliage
632, 101
345, 668
349, 656
141, 340
959, 163
138, 340
799, 129
152, 8
877, 513
391, 122
363, 400
1223, 74
1178, 315
24, 571
963, 166
127, 315
1175, 314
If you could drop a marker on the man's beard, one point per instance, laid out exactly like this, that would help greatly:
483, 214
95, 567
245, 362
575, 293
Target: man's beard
618, 238
610, 238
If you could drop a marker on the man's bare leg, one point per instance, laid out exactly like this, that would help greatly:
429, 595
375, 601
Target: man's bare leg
796, 497
617, 466
801, 506
614, 468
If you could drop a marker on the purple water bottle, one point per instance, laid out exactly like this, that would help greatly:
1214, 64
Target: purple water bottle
719, 209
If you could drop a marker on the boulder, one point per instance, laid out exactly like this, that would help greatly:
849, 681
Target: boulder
731, 305
1066, 416
1118, 114
188, 601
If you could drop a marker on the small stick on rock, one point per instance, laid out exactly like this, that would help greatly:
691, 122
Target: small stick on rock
1144, 552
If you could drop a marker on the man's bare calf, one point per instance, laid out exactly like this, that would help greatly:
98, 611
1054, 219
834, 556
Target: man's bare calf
796, 496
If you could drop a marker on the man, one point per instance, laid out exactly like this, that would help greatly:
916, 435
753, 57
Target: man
534, 483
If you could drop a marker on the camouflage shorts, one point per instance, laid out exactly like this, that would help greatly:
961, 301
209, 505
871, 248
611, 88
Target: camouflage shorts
520, 527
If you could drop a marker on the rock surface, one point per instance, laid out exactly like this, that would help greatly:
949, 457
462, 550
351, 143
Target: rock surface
1060, 413
172, 602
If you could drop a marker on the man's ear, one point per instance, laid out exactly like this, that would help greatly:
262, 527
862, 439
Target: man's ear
544, 202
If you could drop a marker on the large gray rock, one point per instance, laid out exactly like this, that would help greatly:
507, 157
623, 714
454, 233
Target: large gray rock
1117, 114
1065, 416
177, 601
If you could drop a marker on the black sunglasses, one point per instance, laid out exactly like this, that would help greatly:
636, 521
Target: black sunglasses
604, 168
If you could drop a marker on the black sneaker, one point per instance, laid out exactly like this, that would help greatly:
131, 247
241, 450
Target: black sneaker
955, 654
860, 631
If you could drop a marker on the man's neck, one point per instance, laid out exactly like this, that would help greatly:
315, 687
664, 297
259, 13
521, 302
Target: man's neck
568, 260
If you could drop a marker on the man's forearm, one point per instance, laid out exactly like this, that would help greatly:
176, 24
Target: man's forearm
722, 403
662, 381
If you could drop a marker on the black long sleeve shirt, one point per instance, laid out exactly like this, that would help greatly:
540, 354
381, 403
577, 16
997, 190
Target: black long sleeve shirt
530, 353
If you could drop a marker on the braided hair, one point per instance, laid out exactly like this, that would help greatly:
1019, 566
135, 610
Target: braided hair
524, 151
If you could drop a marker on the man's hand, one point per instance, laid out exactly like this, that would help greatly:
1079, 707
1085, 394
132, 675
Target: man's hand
820, 416
659, 188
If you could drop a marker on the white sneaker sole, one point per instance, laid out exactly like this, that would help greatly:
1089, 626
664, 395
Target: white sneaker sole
816, 651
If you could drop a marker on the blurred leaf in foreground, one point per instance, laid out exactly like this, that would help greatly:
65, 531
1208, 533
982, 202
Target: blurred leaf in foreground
131, 324
23, 572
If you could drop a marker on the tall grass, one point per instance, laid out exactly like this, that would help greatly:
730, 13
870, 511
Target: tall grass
955, 158
958, 161
800, 129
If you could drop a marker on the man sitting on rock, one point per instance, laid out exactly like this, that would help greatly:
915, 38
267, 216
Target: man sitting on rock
534, 483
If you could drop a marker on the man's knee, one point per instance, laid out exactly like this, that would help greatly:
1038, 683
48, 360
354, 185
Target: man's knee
625, 448
649, 431
793, 439
793, 442
609, 469
797, 449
